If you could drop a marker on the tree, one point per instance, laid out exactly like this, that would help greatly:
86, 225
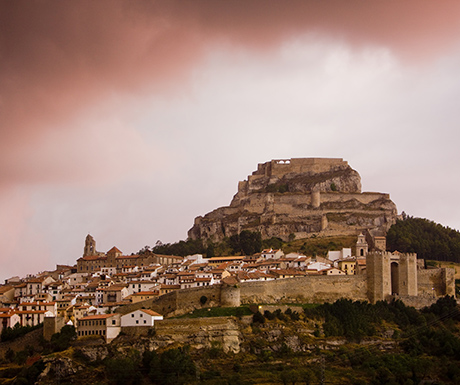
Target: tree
123, 371
174, 366
61, 341
246, 242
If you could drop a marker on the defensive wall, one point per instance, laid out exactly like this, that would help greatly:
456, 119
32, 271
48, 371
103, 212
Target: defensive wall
52, 325
388, 276
434, 283
258, 203
315, 289
280, 167
181, 301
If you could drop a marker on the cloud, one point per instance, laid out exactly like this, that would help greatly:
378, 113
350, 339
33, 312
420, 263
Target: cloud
60, 57
206, 82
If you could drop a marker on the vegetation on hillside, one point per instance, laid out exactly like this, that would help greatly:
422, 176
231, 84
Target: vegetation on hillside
344, 342
181, 248
17, 331
424, 237
248, 243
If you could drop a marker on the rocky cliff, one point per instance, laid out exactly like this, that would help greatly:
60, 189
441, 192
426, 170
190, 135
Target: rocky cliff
304, 197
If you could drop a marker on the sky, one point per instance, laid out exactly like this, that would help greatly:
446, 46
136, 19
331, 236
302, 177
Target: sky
126, 120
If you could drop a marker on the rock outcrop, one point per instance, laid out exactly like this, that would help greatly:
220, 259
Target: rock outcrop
304, 197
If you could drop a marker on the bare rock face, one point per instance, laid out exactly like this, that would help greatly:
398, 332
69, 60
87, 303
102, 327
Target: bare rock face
304, 197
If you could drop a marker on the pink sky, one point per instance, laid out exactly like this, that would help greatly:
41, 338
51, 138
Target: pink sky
128, 119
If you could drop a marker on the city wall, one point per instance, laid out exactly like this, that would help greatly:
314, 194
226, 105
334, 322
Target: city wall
433, 283
52, 325
316, 289
179, 301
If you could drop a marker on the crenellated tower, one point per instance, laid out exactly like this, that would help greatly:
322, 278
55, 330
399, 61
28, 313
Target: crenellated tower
391, 274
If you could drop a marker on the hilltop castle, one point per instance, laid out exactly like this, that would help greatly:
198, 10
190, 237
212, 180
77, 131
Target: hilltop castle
300, 197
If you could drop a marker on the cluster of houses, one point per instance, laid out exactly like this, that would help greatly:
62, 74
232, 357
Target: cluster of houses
88, 294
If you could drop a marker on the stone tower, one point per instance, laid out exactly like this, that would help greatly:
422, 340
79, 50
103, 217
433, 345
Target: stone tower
362, 247
90, 246
391, 274
316, 199
230, 296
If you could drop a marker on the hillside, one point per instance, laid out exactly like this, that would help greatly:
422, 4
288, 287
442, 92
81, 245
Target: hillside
341, 343
428, 239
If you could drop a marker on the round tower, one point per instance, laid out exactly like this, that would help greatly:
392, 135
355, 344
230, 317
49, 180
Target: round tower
315, 199
230, 296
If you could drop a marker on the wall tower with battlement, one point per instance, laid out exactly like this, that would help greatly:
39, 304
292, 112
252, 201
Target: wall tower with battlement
391, 274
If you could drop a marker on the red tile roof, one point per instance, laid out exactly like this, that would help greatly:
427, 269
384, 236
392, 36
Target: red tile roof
151, 312
97, 316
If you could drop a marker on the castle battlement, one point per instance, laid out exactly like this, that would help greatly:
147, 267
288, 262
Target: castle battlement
391, 274
281, 167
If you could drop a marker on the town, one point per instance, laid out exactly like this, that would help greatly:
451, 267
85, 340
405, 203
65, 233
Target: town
106, 292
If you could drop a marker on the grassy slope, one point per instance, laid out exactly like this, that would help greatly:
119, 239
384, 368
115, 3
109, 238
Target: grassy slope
319, 246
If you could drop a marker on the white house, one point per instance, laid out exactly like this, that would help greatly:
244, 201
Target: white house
196, 258
318, 266
8, 319
340, 254
272, 254
141, 317
138, 286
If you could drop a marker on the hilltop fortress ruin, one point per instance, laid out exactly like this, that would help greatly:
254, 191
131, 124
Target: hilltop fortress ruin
299, 196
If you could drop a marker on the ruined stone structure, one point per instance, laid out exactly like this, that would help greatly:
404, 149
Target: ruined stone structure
302, 197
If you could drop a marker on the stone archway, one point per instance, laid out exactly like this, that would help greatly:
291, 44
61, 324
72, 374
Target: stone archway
394, 278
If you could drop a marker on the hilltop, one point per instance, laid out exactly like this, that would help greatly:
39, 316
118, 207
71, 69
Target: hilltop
299, 198
428, 239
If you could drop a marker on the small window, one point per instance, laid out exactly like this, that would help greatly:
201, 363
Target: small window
137, 321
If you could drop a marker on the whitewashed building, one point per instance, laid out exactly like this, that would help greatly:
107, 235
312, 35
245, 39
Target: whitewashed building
141, 317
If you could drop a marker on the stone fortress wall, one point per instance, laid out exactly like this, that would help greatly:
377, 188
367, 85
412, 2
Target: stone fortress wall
278, 168
280, 203
388, 276
310, 289
281, 167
